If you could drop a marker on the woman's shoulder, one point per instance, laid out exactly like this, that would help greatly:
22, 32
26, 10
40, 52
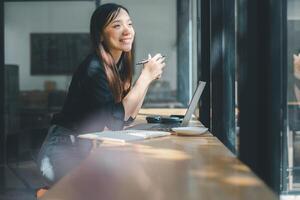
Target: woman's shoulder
94, 65
90, 65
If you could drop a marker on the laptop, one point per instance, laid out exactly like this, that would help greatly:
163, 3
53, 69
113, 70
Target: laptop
166, 123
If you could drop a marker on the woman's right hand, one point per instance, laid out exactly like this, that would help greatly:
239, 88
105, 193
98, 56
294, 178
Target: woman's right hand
153, 69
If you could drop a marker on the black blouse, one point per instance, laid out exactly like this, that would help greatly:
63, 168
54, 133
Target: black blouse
89, 105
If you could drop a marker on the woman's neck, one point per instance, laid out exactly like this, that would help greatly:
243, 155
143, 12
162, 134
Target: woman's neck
116, 55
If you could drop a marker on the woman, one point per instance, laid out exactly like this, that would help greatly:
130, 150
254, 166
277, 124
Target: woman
101, 95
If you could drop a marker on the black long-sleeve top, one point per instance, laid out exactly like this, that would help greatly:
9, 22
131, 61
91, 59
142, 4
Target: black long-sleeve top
89, 105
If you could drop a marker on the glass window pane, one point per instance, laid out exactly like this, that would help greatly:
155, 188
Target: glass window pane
292, 147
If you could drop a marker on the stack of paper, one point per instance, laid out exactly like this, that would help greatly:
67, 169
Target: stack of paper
124, 135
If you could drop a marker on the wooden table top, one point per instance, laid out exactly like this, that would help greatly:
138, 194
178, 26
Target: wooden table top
173, 167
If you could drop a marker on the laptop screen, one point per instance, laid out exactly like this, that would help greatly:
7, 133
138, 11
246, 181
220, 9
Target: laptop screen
193, 103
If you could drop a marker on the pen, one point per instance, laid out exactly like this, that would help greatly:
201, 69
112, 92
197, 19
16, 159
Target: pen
145, 61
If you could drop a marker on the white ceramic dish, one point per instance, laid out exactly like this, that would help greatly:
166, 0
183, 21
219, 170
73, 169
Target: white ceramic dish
189, 130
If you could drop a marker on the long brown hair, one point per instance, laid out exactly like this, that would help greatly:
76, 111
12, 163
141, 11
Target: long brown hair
119, 84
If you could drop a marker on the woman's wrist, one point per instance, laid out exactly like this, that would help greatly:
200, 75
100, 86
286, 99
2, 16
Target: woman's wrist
145, 78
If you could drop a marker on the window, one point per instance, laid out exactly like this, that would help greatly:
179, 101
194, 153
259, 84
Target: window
292, 148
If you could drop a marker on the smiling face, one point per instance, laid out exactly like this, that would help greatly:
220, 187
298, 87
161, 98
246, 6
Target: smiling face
118, 35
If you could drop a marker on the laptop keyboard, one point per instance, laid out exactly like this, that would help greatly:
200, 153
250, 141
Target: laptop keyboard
154, 127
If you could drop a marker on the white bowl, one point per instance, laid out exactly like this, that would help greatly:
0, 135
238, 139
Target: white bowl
190, 130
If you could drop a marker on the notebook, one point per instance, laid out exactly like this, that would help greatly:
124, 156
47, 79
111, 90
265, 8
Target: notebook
124, 135
185, 121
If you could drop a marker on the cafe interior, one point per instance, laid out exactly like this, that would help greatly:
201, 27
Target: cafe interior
245, 50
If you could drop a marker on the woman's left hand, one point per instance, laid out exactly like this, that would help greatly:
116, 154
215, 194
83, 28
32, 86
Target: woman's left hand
153, 69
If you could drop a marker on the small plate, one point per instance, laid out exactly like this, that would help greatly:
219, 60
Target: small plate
190, 130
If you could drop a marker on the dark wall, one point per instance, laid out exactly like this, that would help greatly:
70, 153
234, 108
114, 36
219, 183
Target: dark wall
203, 46
217, 55
222, 60
262, 86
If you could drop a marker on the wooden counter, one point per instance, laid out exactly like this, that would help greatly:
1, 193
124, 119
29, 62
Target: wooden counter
174, 168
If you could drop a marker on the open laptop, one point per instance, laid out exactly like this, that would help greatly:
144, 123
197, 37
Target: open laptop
177, 123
